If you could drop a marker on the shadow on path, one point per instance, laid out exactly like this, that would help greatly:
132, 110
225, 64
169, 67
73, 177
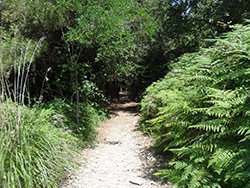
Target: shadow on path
125, 105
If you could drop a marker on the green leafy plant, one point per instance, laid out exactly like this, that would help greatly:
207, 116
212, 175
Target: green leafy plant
199, 114
33, 153
120, 32
64, 117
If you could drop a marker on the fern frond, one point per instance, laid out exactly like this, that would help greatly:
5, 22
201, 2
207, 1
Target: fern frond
201, 113
215, 125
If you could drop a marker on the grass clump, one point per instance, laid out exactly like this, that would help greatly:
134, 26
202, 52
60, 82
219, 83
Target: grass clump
33, 152
200, 115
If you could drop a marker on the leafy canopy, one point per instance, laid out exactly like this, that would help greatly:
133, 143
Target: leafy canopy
119, 30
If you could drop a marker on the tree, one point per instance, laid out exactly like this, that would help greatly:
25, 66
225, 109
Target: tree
120, 32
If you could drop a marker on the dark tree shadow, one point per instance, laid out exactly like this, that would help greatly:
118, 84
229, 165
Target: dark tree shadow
124, 104
153, 161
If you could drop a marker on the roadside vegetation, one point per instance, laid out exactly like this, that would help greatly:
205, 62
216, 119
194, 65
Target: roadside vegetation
58, 62
33, 152
199, 114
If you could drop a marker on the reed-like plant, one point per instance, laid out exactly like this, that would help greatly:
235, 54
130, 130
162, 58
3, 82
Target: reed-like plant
33, 152
16, 57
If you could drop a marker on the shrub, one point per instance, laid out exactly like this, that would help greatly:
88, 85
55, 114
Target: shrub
33, 153
65, 117
200, 114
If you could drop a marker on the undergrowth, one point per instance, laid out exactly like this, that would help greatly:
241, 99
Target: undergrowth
65, 117
33, 152
200, 115
38, 145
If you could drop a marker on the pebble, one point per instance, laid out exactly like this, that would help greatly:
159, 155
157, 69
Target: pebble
136, 181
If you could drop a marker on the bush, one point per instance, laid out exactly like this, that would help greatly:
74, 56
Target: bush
33, 153
65, 117
200, 114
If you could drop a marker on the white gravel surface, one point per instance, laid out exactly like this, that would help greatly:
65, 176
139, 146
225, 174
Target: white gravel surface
121, 158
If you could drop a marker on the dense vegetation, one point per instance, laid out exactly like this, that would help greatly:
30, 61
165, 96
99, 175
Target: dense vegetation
62, 62
200, 114
59, 62
32, 148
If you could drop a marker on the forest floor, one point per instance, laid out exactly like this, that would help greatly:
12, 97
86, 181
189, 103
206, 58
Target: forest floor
123, 156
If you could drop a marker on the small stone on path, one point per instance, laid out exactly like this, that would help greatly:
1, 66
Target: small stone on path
136, 181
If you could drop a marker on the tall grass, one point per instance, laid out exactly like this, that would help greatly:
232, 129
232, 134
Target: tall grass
33, 152
16, 58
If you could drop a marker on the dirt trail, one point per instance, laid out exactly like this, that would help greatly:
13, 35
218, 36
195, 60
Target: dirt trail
121, 158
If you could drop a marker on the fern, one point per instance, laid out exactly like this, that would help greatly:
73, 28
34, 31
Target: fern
200, 113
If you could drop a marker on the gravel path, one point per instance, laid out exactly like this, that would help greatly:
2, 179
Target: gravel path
121, 158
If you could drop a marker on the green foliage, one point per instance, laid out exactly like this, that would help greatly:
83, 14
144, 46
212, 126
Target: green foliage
120, 30
74, 77
186, 23
64, 115
88, 44
85, 44
33, 153
97, 41
37, 16
15, 51
200, 114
